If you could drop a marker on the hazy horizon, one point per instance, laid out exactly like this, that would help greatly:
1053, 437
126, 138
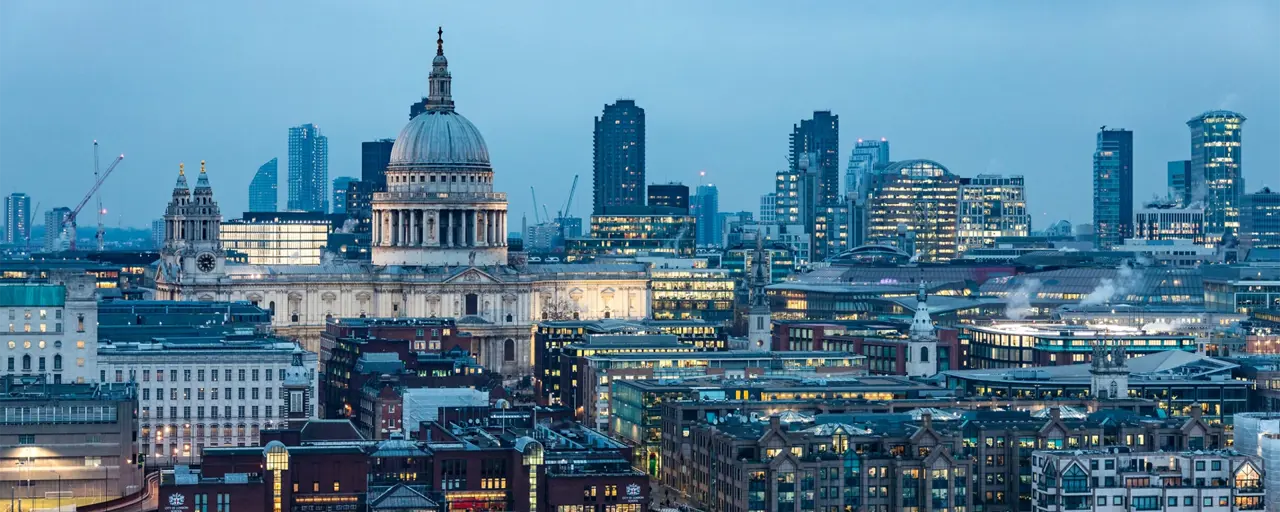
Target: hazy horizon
981, 87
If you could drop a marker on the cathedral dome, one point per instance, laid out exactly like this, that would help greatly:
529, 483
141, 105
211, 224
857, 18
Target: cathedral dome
440, 138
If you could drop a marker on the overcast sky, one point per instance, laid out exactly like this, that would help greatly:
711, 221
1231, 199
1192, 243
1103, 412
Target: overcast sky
1000, 87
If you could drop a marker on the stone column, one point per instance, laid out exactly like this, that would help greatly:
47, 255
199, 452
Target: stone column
416, 238
373, 228
395, 227
446, 228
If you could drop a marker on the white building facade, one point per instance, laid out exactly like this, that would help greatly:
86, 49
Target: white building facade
193, 395
52, 329
1114, 479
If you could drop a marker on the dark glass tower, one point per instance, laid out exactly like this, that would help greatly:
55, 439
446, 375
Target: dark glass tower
308, 169
1215, 179
618, 171
374, 157
262, 190
821, 136
1113, 188
673, 195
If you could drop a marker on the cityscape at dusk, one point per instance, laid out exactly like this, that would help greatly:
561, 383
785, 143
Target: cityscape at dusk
584, 257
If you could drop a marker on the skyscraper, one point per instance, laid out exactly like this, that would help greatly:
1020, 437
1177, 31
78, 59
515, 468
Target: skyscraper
618, 172
157, 234
706, 208
308, 169
340, 185
674, 195
991, 205
1215, 178
263, 189
374, 157
1177, 180
57, 237
1112, 188
17, 218
820, 136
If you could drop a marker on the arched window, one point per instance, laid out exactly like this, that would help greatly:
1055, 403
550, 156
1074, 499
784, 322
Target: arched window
924, 354
509, 318
606, 314
271, 306
26, 362
509, 350
57, 362
293, 317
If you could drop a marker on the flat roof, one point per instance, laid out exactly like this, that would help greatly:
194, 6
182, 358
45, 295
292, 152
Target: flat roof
32, 295
1056, 330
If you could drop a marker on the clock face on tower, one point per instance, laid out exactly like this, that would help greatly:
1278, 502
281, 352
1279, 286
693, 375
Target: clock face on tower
206, 262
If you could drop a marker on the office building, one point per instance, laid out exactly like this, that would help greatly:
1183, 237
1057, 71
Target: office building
68, 444
1241, 288
1216, 178
308, 169
673, 195
17, 219
52, 328
769, 208
263, 189
1260, 220
1118, 478
1169, 253
991, 206
58, 233
634, 231
1169, 221
692, 294
204, 391
375, 156
706, 208
1019, 345
1113, 188
914, 202
618, 168
819, 136
279, 238
1177, 173
341, 186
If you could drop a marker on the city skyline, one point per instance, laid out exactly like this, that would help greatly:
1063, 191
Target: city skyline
1021, 114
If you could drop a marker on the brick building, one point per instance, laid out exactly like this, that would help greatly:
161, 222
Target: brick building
883, 343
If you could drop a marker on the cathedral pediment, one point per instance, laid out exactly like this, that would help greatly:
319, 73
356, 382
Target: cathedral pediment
472, 276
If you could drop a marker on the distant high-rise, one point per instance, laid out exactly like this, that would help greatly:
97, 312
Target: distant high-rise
618, 173
769, 208
674, 195
912, 205
56, 237
1177, 180
991, 206
17, 218
1113, 188
1260, 220
374, 158
1215, 178
866, 156
308, 169
706, 209
263, 189
820, 136
157, 234
340, 185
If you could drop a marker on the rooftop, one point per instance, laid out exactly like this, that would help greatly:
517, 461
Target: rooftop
1071, 331
1169, 365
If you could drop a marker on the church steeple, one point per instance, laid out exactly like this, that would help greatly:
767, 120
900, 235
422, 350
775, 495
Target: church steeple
441, 95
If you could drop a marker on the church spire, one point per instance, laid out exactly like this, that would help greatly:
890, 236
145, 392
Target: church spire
202, 181
440, 97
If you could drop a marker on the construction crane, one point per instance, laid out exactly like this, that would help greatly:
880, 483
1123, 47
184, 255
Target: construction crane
564, 212
70, 221
535, 205
100, 236
545, 213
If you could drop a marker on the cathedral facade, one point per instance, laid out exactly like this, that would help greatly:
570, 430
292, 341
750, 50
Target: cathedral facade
439, 249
